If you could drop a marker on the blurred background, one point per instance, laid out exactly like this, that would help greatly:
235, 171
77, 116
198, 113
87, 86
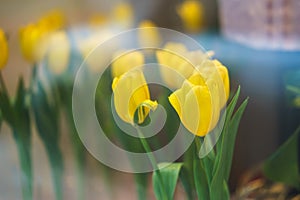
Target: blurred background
259, 41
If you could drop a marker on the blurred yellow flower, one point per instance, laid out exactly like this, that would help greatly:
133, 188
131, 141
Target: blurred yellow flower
34, 37
93, 56
58, 52
191, 13
3, 49
216, 77
33, 41
223, 72
204, 91
125, 62
178, 58
97, 20
131, 94
202, 97
123, 14
52, 21
193, 104
148, 34
297, 102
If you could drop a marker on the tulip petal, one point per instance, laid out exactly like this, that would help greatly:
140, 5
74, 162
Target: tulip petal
191, 13
131, 94
3, 49
58, 52
148, 34
126, 62
194, 106
183, 62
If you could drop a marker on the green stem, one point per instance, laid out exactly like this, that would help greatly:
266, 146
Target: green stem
208, 167
3, 84
141, 185
26, 166
56, 162
152, 160
23, 146
78, 150
79, 160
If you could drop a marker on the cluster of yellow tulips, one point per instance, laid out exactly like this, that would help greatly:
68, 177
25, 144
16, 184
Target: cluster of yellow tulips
198, 100
35, 36
199, 88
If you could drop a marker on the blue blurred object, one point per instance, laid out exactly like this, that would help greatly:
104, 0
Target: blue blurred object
260, 74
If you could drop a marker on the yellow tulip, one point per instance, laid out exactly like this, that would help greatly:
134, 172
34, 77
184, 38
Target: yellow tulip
58, 52
202, 97
131, 94
88, 49
125, 62
34, 37
98, 20
3, 49
193, 104
224, 75
52, 21
217, 79
148, 34
123, 15
191, 14
33, 41
183, 62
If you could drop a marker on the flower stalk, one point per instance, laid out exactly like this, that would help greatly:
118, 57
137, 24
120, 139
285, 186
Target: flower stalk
17, 116
152, 160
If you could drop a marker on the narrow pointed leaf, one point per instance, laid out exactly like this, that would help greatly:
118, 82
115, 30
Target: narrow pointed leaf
229, 111
283, 165
187, 182
187, 172
201, 183
233, 129
169, 177
222, 169
141, 184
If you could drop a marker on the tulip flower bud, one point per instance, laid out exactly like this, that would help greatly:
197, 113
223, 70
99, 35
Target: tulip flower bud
131, 93
124, 63
148, 34
191, 14
58, 52
3, 49
33, 42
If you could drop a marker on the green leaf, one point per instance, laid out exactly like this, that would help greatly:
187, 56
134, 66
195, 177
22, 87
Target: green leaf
46, 115
141, 184
223, 165
187, 172
25, 159
201, 183
20, 98
21, 111
1, 119
233, 128
226, 190
169, 175
283, 165
57, 168
292, 86
229, 112
187, 181
6, 108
